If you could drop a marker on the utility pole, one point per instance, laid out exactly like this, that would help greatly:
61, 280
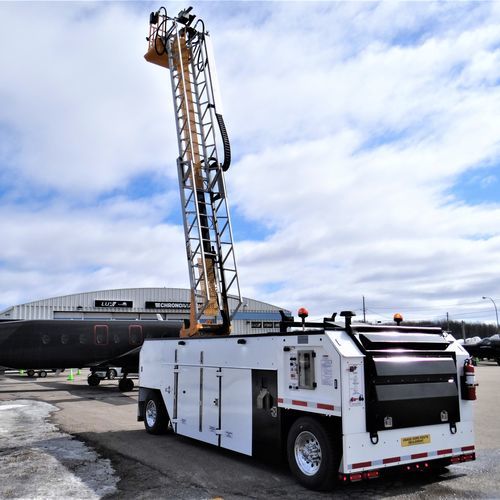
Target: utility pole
364, 310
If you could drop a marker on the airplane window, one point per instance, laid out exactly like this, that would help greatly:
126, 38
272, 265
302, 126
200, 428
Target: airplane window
101, 334
64, 338
83, 338
45, 338
135, 334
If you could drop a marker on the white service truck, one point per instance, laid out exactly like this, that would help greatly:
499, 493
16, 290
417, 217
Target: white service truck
341, 402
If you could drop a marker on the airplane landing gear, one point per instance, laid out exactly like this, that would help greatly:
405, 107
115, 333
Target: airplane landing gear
36, 373
93, 380
125, 384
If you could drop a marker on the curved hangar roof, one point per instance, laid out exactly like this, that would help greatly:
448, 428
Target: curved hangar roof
140, 303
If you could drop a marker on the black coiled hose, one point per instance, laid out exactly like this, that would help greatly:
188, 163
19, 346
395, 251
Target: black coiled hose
225, 142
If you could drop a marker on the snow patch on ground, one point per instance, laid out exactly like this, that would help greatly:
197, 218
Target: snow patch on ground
39, 461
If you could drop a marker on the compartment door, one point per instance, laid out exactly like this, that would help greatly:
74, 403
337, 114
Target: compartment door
236, 410
188, 398
210, 405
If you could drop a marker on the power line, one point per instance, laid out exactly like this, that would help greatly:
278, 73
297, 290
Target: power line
426, 308
473, 313
379, 315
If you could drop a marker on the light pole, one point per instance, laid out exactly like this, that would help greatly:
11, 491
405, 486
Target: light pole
495, 306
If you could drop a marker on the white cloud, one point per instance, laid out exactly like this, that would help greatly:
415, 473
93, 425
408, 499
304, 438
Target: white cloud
380, 221
84, 109
351, 123
61, 250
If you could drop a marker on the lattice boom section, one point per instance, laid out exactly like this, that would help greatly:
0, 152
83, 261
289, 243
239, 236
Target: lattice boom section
207, 226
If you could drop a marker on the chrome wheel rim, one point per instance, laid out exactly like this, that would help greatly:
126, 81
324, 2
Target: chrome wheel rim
151, 413
307, 453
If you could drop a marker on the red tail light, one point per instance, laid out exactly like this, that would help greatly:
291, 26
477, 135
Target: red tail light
356, 477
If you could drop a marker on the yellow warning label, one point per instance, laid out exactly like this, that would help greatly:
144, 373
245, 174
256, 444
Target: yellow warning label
413, 440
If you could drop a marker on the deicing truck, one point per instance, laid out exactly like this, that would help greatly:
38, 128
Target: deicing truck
342, 402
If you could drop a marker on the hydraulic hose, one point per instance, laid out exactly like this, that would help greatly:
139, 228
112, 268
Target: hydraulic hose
225, 143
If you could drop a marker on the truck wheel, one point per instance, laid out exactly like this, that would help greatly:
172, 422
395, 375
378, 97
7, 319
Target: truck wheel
155, 415
313, 454
112, 374
498, 361
93, 380
42, 373
30, 373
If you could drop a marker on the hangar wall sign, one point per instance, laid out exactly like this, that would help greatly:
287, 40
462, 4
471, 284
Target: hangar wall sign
167, 305
113, 303
148, 304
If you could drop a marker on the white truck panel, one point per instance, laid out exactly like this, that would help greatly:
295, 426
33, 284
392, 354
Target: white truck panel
325, 397
227, 353
236, 410
210, 405
344, 344
154, 357
353, 395
360, 454
188, 398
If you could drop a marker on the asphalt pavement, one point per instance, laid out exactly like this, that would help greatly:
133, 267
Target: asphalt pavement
62, 439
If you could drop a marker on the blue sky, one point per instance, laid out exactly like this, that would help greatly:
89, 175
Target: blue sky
478, 186
366, 147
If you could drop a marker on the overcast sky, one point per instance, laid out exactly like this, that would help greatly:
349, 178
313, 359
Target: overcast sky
366, 143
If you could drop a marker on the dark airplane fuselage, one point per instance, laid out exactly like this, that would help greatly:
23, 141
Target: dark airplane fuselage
47, 344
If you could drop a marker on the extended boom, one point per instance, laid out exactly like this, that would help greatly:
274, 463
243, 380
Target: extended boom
182, 45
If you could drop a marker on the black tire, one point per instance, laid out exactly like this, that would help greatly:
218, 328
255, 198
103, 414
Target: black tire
314, 453
42, 373
93, 380
126, 384
498, 361
30, 373
156, 419
112, 374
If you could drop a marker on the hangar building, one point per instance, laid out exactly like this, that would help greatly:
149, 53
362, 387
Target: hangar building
142, 304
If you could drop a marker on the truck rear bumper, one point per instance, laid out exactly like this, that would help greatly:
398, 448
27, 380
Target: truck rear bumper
403, 447
466, 453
